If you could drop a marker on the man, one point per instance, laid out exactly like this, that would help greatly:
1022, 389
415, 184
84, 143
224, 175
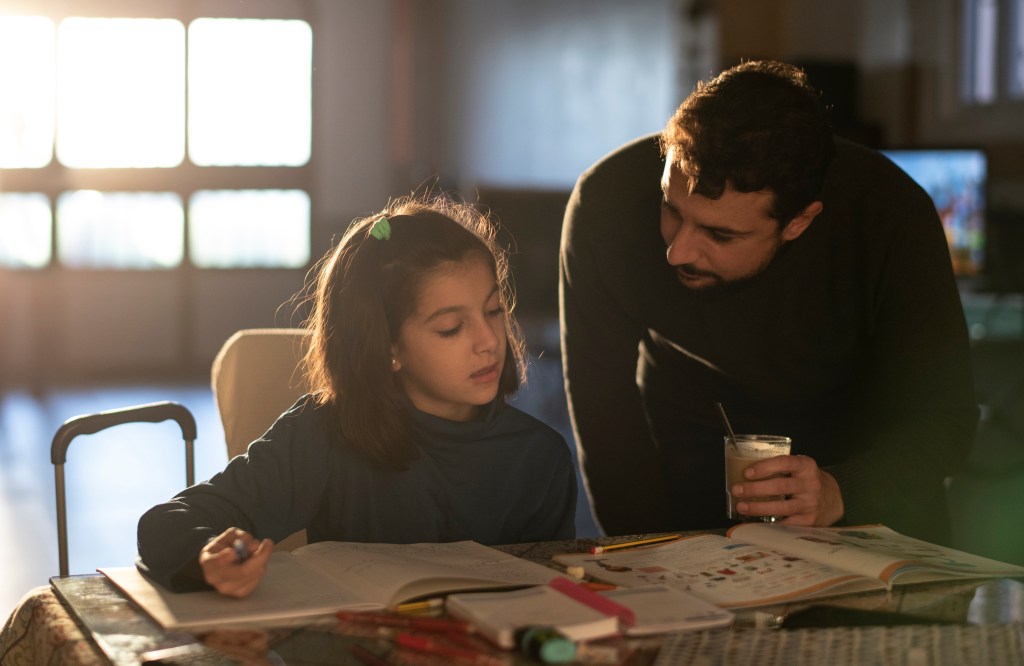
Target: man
746, 257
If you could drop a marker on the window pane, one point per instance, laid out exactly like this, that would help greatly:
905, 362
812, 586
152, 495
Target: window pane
120, 229
249, 97
122, 92
980, 64
25, 230
249, 228
1017, 50
26, 91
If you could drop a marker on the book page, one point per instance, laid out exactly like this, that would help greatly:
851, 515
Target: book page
393, 573
874, 550
659, 609
288, 591
721, 571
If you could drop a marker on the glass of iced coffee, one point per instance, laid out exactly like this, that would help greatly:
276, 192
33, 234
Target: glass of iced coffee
741, 452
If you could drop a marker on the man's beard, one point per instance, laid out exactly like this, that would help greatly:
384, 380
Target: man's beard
719, 285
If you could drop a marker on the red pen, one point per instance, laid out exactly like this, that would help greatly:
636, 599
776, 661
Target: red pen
430, 646
441, 625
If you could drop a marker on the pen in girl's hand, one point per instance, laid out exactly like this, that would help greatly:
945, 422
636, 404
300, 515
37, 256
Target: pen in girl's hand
241, 551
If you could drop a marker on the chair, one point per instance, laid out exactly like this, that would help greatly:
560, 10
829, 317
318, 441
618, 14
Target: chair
256, 376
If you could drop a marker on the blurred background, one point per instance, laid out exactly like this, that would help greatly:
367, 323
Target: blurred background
170, 170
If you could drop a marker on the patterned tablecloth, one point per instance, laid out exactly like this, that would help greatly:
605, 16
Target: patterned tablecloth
40, 631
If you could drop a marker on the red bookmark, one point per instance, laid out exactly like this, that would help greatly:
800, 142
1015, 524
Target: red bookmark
590, 598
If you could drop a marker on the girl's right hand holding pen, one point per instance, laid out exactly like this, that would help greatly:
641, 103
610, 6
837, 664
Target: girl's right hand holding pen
234, 563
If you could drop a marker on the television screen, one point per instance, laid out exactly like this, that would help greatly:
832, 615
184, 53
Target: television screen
955, 178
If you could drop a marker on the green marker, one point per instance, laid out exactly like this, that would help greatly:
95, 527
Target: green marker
546, 644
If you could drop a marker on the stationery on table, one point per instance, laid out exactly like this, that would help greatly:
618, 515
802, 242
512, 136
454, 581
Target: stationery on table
321, 578
634, 544
581, 614
497, 616
764, 564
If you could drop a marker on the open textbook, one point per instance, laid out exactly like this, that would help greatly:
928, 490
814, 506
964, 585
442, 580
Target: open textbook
758, 564
321, 578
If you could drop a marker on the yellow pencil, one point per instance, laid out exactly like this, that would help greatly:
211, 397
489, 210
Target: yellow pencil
415, 606
630, 544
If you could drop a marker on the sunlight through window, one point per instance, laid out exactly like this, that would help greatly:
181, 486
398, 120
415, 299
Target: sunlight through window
120, 229
249, 101
122, 92
249, 228
25, 235
26, 91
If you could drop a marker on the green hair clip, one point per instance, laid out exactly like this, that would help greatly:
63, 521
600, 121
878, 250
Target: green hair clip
381, 229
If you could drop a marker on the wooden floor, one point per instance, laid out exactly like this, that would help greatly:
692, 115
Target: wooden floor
112, 477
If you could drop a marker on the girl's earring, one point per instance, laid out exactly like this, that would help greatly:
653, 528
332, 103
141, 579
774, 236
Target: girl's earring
394, 363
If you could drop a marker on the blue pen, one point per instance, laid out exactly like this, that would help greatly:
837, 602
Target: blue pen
241, 551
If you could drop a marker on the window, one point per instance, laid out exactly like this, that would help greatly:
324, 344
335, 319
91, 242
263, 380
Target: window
1017, 50
993, 51
25, 219
158, 119
118, 111
119, 229
249, 79
26, 91
252, 228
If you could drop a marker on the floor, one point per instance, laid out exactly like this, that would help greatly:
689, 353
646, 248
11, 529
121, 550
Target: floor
113, 476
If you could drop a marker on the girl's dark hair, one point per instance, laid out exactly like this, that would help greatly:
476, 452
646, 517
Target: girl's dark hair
364, 289
757, 126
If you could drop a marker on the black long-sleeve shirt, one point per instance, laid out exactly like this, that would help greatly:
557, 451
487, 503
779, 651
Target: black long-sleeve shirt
504, 478
852, 341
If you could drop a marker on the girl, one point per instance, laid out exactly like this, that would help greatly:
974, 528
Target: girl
405, 435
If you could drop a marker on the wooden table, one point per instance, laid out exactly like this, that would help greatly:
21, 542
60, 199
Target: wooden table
85, 620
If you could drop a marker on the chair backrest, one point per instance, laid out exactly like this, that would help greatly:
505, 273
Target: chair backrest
256, 376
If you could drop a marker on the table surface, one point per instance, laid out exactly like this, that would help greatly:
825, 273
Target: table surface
113, 630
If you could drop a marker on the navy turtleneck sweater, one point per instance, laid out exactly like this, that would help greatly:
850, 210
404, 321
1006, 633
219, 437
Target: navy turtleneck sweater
503, 478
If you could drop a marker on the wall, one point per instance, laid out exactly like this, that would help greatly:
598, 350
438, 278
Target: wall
538, 91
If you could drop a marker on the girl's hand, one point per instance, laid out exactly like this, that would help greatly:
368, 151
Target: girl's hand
225, 571
812, 495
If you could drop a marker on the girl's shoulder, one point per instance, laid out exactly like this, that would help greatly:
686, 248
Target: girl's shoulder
305, 420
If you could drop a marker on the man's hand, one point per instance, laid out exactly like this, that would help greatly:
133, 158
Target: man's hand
812, 495
227, 572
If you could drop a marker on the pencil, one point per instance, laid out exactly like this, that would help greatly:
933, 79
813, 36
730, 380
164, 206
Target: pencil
416, 606
630, 544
